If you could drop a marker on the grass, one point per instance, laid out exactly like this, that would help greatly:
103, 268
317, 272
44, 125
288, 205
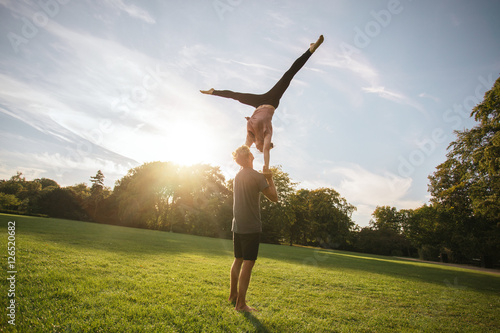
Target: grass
85, 277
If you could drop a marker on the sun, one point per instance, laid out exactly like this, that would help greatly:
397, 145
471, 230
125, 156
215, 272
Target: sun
189, 143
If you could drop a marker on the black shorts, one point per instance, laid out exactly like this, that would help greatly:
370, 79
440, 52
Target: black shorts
246, 246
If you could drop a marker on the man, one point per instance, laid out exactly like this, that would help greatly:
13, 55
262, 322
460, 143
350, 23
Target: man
247, 225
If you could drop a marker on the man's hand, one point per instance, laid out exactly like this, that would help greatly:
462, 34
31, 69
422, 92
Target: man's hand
270, 191
267, 173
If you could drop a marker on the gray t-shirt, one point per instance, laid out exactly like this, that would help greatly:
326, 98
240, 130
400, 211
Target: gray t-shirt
248, 184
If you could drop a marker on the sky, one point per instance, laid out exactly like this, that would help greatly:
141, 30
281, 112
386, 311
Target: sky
109, 85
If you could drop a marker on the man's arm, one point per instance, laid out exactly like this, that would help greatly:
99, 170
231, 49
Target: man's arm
270, 191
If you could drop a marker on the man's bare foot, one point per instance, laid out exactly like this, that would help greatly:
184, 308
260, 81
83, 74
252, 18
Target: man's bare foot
208, 92
314, 46
233, 299
246, 308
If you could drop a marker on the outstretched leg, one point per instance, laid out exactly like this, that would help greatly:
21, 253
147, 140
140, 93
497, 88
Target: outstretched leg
244, 98
274, 95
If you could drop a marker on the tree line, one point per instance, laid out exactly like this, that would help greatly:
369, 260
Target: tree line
461, 223
185, 199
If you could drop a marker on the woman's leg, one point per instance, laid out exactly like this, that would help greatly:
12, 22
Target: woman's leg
274, 95
248, 99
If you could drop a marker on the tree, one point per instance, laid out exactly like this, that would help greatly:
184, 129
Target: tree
386, 217
331, 217
424, 229
46, 182
26, 192
202, 194
14, 185
145, 196
9, 201
276, 217
386, 233
61, 203
467, 185
165, 196
97, 182
98, 192
298, 229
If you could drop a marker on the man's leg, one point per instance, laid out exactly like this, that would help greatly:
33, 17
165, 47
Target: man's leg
244, 282
235, 275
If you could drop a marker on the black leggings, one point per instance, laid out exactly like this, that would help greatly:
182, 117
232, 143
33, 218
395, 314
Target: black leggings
273, 96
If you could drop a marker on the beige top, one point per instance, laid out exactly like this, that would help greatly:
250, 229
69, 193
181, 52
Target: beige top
259, 125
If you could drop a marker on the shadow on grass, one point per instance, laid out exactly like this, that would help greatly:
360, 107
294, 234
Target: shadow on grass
115, 239
259, 327
338, 261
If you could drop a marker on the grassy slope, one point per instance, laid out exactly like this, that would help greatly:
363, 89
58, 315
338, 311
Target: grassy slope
84, 277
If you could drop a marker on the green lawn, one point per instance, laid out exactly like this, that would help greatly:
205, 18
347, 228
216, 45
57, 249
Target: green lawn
84, 277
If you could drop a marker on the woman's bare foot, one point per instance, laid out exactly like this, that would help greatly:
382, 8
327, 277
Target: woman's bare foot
208, 92
314, 46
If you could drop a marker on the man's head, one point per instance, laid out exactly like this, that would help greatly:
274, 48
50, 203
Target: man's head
243, 156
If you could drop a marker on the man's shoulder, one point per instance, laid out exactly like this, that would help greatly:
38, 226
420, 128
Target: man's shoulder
248, 172
249, 175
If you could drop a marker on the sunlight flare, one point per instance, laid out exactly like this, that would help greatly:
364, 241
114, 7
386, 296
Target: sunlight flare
189, 142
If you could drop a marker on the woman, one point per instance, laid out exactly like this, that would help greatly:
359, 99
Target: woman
259, 125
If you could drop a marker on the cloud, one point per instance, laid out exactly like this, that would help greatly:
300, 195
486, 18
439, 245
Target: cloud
132, 10
120, 99
66, 168
368, 75
363, 186
358, 65
429, 96
280, 20
258, 66
384, 93
27, 104
394, 97
366, 189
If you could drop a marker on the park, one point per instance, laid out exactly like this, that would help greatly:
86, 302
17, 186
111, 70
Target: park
156, 157
75, 276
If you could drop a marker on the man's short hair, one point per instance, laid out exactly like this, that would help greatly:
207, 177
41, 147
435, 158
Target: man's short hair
240, 155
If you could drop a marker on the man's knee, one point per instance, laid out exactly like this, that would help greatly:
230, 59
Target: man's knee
248, 263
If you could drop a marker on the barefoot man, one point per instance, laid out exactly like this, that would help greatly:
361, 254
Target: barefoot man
259, 126
247, 225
